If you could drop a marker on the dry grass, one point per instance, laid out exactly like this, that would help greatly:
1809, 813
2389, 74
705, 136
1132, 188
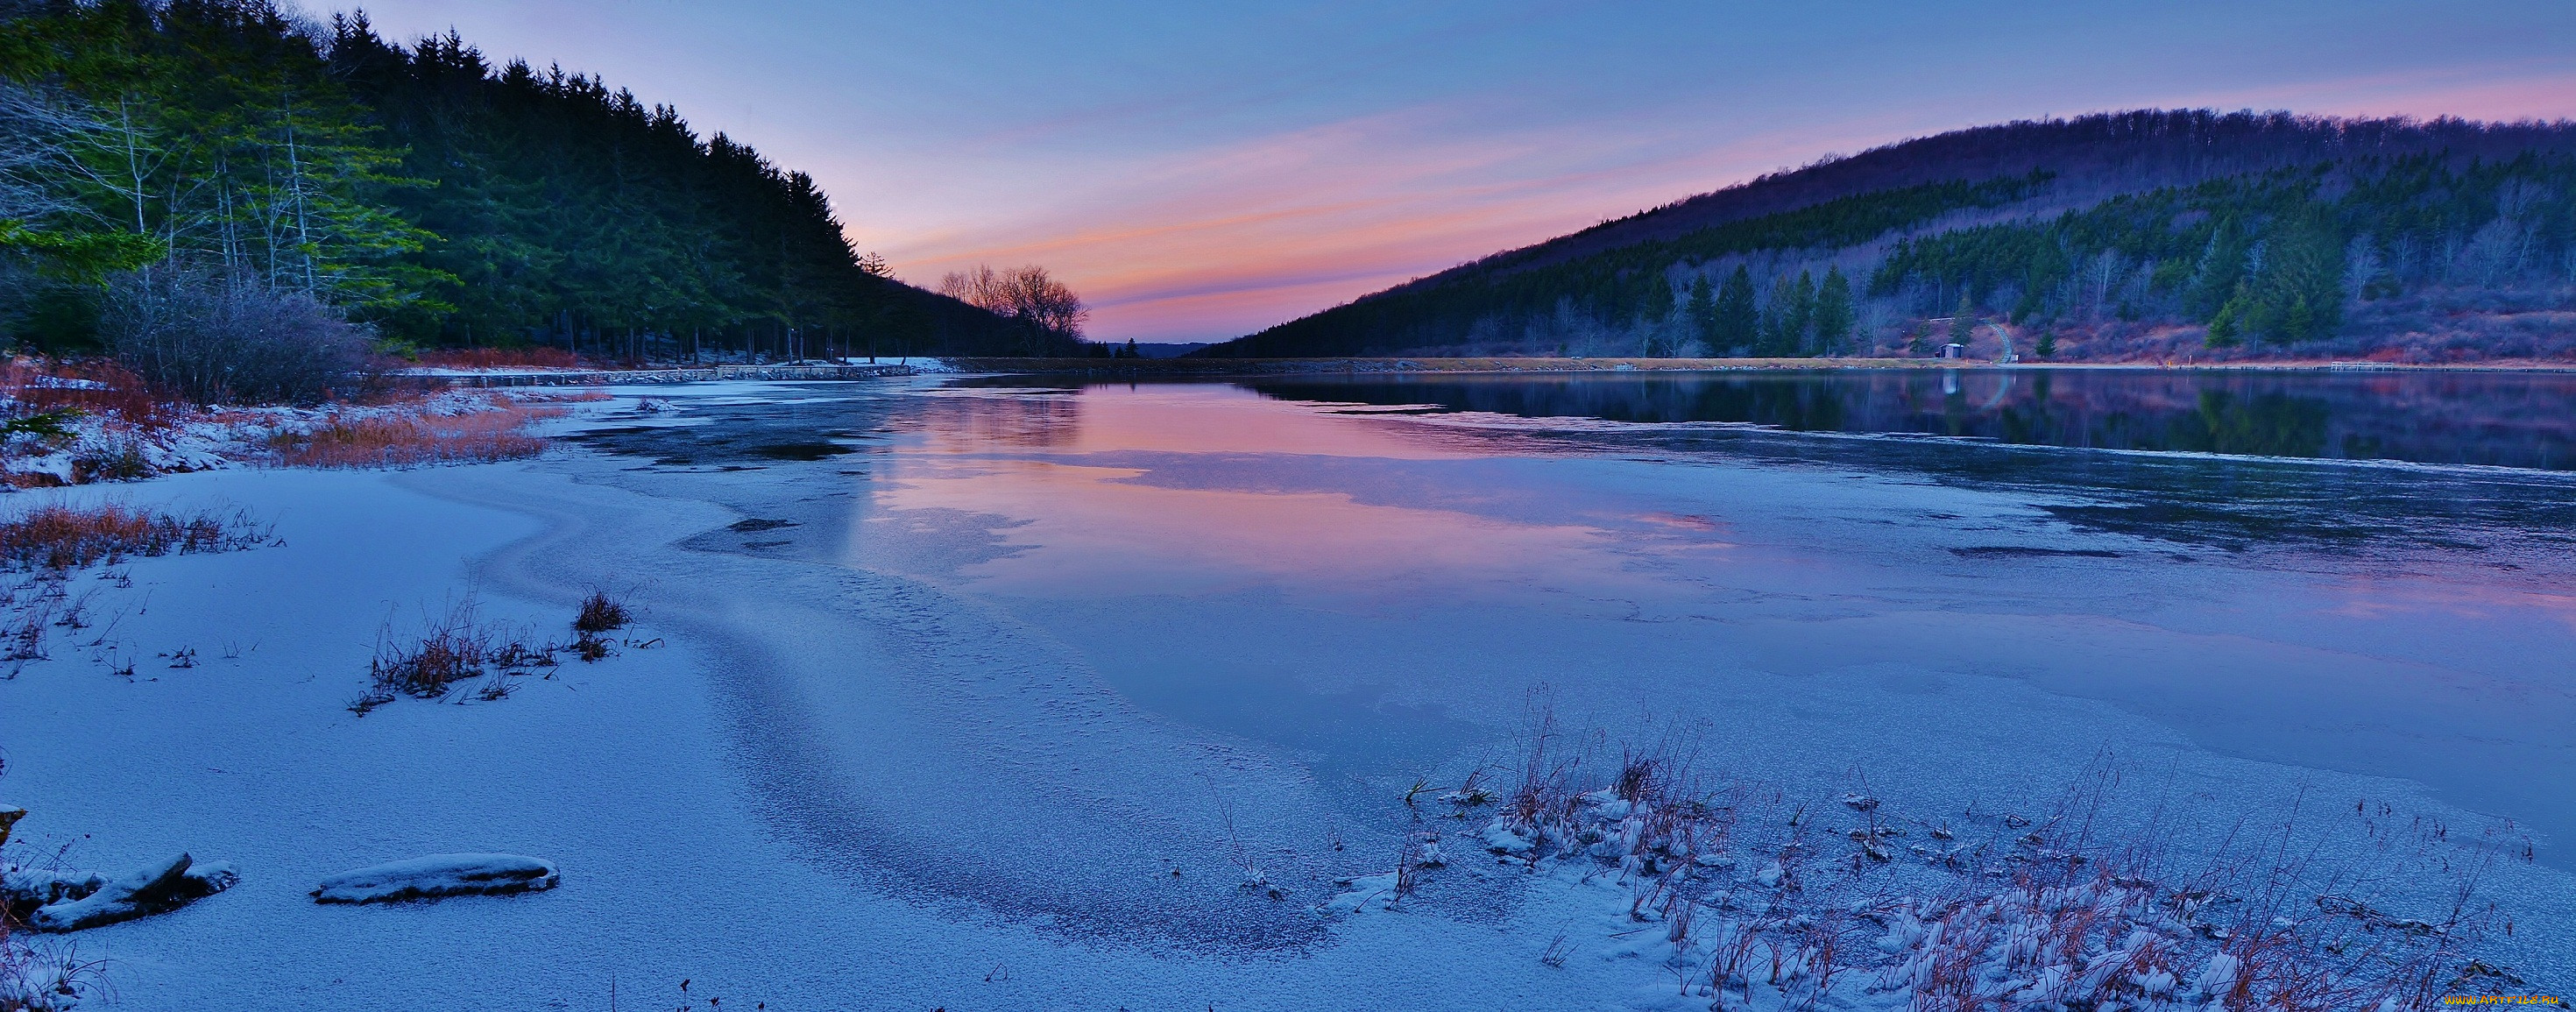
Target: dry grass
455, 647
58, 537
2096, 904
36, 978
37, 386
599, 613
405, 441
49, 542
50, 978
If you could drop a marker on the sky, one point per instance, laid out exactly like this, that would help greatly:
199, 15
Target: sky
1199, 171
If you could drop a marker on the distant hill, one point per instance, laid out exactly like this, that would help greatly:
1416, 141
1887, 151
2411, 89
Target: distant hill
2152, 234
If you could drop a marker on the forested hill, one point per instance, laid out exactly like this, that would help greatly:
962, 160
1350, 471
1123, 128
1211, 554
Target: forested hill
2136, 235
418, 188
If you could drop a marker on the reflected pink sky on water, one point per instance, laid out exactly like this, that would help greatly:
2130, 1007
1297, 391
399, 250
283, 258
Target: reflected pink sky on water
1185, 535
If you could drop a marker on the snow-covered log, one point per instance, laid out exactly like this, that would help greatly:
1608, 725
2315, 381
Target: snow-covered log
89, 902
439, 875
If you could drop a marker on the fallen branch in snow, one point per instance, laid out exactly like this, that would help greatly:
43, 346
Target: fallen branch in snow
53, 901
439, 875
77, 904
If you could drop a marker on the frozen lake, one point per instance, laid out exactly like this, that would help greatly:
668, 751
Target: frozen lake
991, 692
1125, 612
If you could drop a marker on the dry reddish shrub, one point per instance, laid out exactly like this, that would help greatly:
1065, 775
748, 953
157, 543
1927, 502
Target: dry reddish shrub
481, 437
66, 537
31, 479
95, 387
502, 358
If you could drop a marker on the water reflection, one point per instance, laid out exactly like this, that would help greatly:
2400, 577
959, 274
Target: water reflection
1259, 558
2507, 419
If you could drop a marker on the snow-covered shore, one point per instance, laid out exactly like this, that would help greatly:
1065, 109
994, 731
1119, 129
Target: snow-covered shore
619, 772
105, 447
928, 807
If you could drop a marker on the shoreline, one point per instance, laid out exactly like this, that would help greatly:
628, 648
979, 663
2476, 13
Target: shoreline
1421, 365
1426, 364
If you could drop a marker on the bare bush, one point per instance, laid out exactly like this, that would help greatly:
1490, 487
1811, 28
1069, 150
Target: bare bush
231, 340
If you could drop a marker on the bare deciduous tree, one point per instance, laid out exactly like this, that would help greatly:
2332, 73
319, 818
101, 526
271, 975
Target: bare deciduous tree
1021, 293
36, 132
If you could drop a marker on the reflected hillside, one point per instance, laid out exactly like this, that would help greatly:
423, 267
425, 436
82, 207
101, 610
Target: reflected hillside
2524, 420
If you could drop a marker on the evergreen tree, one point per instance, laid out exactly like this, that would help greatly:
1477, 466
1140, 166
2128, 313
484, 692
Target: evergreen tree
2220, 270
1802, 316
1658, 301
226, 140
1786, 320
1834, 312
1963, 322
1700, 313
2297, 294
1738, 322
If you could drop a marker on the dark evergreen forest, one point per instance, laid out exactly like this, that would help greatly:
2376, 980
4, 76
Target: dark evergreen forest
2134, 235
419, 189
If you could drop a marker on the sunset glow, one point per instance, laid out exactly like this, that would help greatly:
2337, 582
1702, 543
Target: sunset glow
1199, 174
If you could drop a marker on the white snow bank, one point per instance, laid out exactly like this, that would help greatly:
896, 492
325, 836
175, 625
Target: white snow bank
95, 447
439, 875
